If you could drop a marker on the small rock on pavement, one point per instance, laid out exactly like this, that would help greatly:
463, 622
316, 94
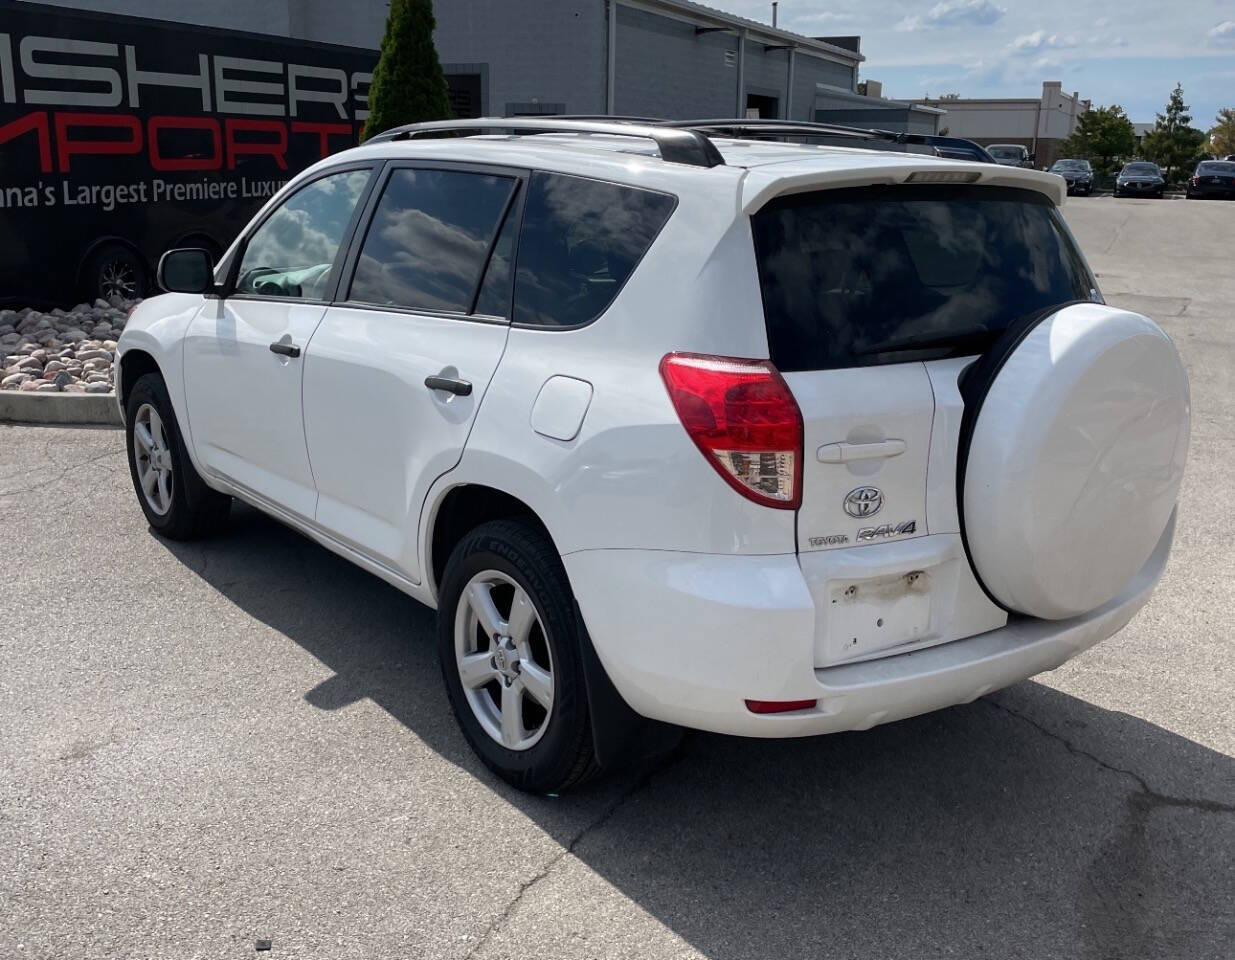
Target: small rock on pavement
98, 386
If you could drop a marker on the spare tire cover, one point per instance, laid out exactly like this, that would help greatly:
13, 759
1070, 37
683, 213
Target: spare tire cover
1071, 459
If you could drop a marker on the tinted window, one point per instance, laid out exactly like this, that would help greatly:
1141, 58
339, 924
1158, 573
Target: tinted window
580, 241
890, 274
494, 299
292, 253
1141, 168
429, 239
1216, 166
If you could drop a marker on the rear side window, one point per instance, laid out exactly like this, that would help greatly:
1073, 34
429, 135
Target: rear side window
429, 239
889, 274
581, 240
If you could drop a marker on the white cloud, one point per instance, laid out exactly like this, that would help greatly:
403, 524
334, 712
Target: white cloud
955, 13
1039, 40
1223, 32
826, 17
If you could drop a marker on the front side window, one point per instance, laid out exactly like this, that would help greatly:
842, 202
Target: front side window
429, 239
871, 275
581, 240
292, 254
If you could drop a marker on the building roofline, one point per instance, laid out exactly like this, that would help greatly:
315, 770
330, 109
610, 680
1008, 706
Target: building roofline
885, 103
709, 16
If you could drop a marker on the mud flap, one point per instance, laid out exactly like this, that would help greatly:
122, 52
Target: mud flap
621, 736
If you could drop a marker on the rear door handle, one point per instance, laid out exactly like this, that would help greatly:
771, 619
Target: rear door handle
285, 349
460, 388
849, 452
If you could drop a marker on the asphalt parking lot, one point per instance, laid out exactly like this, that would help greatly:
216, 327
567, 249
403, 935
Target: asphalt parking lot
205, 745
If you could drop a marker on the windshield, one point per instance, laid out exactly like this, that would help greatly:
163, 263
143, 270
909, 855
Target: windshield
1141, 168
1004, 153
1071, 165
872, 275
1216, 166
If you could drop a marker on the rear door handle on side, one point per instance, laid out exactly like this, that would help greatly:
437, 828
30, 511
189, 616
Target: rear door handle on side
849, 452
460, 388
285, 349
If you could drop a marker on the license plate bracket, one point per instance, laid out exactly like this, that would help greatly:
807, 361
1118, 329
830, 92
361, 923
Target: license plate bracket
871, 615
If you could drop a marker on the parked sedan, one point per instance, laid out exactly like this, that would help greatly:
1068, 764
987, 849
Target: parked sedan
1078, 174
1140, 179
1212, 178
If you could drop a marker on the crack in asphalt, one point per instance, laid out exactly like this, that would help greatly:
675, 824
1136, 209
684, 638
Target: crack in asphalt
59, 476
641, 782
1145, 790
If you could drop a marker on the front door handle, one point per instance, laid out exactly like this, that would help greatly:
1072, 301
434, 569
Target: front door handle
285, 349
460, 388
849, 452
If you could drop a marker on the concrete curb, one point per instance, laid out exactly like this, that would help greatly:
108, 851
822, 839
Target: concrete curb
63, 409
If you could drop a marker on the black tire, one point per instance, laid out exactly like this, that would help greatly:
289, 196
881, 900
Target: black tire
565, 755
195, 509
113, 269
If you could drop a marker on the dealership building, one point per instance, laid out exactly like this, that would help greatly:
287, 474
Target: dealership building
656, 58
1041, 124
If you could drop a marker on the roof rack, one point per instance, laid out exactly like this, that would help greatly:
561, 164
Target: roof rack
755, 128
781, 128
676, 145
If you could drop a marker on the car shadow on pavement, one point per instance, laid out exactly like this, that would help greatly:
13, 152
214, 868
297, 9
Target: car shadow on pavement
1028, 824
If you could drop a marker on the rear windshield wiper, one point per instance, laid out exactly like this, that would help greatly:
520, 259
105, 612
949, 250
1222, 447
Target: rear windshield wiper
969, 340
973, 340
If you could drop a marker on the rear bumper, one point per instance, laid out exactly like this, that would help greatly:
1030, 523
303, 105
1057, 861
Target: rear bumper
688, 638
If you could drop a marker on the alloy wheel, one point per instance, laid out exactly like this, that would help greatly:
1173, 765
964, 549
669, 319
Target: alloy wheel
117, 279
504, 660
153, 457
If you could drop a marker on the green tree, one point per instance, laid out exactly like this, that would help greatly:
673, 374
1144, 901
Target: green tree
1174, 144
1103, 136
1222, 136
408, 84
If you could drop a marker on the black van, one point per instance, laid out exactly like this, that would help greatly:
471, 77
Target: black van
121, 137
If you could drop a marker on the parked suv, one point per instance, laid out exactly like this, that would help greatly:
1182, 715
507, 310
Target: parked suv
674, 430
1011, 154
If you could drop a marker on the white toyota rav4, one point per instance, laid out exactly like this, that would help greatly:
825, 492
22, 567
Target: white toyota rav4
675, 428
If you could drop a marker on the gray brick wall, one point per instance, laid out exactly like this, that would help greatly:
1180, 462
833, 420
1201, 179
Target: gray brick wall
665, 69
525, 67
807, 72
767, 73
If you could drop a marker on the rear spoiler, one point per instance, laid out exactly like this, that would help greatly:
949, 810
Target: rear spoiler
761, 184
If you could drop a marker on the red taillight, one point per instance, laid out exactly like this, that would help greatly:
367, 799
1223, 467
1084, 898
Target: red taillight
741, 414
779, 706
1196, 181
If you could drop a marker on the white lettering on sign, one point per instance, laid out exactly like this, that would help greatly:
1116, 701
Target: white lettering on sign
7, 92
84, 77
337, 95
199, 81
71, 71
225, 85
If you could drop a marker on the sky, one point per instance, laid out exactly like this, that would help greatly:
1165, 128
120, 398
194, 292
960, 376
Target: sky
1130, 53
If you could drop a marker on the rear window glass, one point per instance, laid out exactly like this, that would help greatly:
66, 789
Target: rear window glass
1216, 167
891, 274
580, 241
429, 239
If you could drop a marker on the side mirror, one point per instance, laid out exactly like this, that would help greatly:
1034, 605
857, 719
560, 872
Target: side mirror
187, 270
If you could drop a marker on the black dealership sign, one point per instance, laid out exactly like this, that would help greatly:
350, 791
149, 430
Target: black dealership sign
123, 130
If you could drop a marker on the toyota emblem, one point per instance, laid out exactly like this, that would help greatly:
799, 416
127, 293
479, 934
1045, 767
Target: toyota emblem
862, 502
